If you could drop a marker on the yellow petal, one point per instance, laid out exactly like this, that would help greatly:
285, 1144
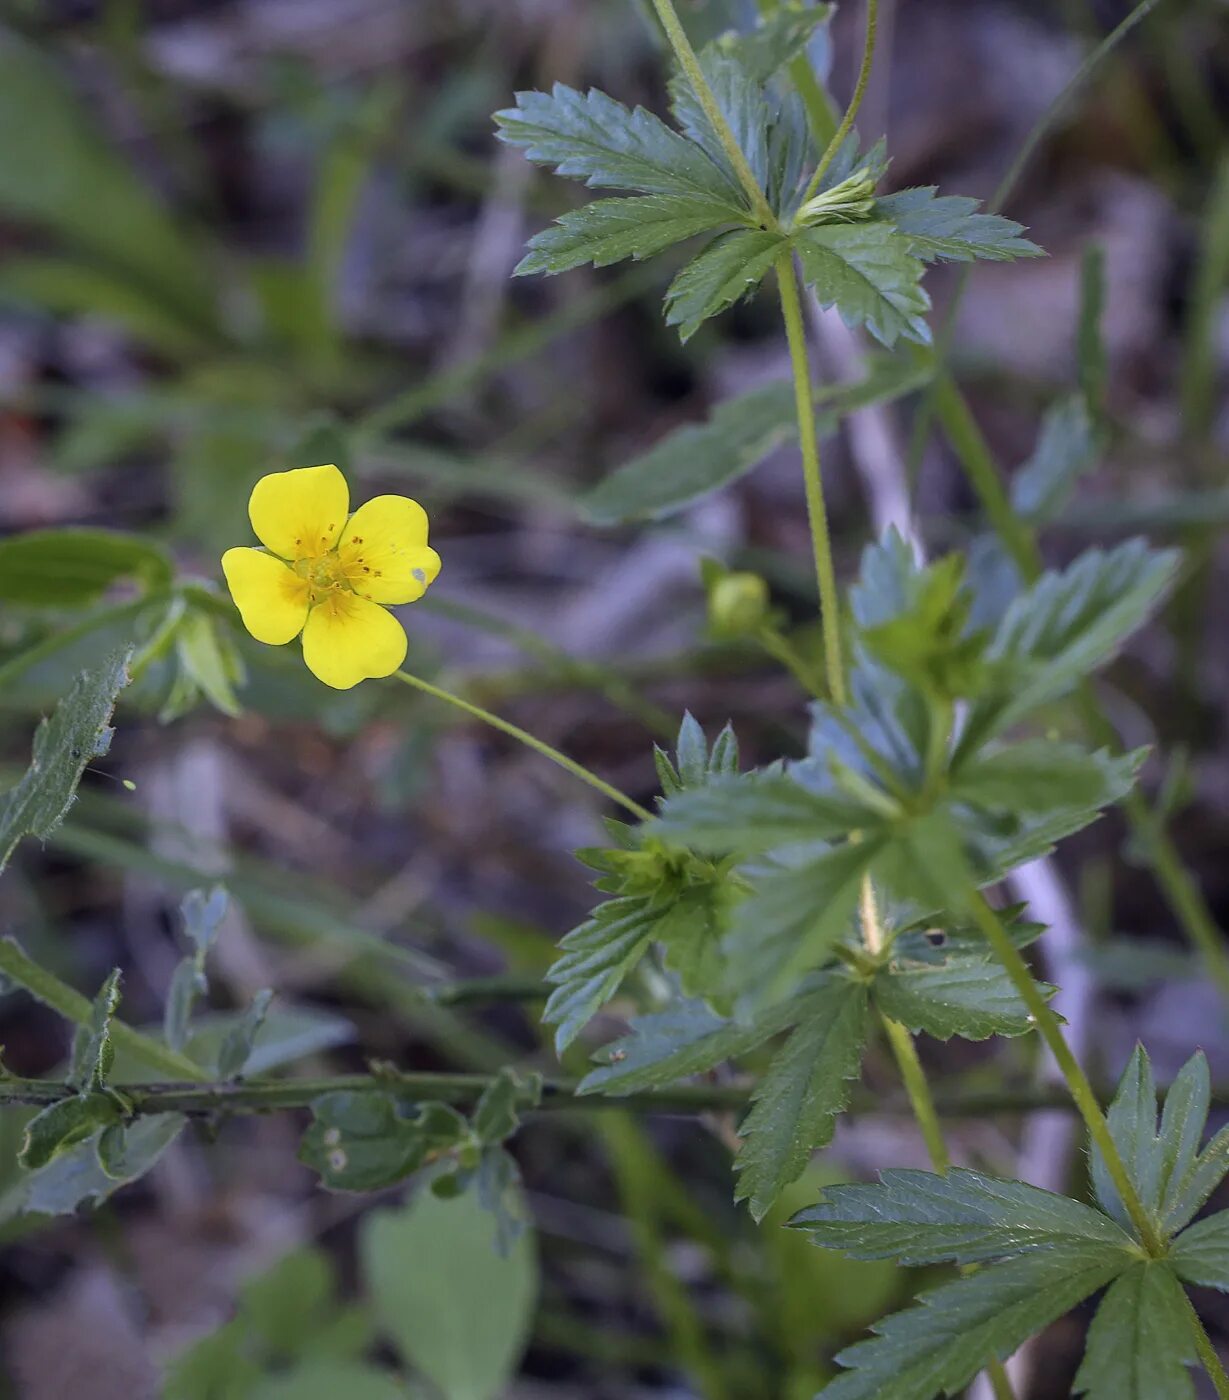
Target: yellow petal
384, 551
348, 639
270, 596
300, 514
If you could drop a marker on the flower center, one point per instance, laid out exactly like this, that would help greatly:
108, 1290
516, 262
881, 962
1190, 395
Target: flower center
324, 574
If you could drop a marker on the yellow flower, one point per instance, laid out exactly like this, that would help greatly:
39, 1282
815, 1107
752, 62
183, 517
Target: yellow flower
326, 573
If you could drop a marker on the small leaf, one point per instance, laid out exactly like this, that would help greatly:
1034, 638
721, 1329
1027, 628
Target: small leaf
1187, 1196
686, 1038
203, 912
596, 957
364, 1142
76, 733
868, 273
1139, 1342
209, 661
949, 227
591, 137
730, 267
968, 997
1040, 775
777, 39
187, 983
1182, 1123
1200, 1254
1132, 1124
756, 813
93, 1051
497, 1181
64, 1125
236, 1048
609, 230
797, 1102
506, 1097
72, 568
1068, 447
691, 750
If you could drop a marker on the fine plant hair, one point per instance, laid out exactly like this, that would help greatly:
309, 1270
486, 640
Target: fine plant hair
797, 914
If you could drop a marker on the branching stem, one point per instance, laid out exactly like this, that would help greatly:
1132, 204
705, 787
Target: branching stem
846, 126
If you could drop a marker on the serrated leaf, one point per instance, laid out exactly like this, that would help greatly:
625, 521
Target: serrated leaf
1139, 1342
1132, 1124
757, 812
949, 227
963, 1217
798, 1100
1068, 446
591, 137
778, 38
596, 957
609, 230
1040, 775
924, 861
939, 1346
730, 267
1200, 1254
686, 1038
497, 1114
969, 997
741, 431
93, 1050
1187, 1195
75, 567
366, 1141
691, 751
77, 733
791, 921
1182, 1123
238, 1043
64, 1125
868, 273
743, 103
1064, 627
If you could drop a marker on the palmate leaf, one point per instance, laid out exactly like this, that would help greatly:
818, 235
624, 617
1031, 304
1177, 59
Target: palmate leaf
730, 267
609, 230
1139, 1343
971, 997
868, 273
591, 137
963, 1217
938, 1347
798, 1100
949, 227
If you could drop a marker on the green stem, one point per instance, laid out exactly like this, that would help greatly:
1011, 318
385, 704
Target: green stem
817, 513
859, 92
46, 987
913, 1077
501, 987
1081, 1090
1208, 1356
690, 65
578, 770
104, 617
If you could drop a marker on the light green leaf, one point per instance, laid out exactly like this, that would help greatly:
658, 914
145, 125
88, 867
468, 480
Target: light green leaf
741, 431
65, 1125
967, 996
93, 1050
797, 1102
1041, 775
1139, 1342
730, 267
609, 230
686, 1038
591, 137
1200, 1254
758, 812
1068, 447
597, 956
868, 273
963, 1217
497, 1114
776, 40
456, 1310
75, 735
289, 1033
949, 227
208, 659
939, 1346
235, 1052
366, 1141
74, 567
329, 1380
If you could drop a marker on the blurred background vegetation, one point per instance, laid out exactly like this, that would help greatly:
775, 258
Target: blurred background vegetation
253, 234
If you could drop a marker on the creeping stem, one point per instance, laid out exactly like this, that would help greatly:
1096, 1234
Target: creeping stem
522, 736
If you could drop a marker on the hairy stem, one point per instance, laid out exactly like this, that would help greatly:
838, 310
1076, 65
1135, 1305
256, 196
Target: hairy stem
859, 92
46, 987
1081, 1090
522, 736
690, 65
913, 1077
1208, 1357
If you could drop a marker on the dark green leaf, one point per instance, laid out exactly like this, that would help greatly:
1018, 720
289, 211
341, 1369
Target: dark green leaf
363, 1142
730, 267
686, 1038
326, 1380
596, 957
924, 862
1186, 1195
77, 733
939, 1346
778, 38
797, 1102
756, 813
1139, 1343
966, 996
1068, 447
93, 1052
741, 431
236, 1048
77, 1176
949, 227
64, 1125
609, 230
591, 137
868, 273
743, 103
1200, 1254
73, 568
1182, 1123
498, 1112
1041, 775
691, 750
1132, 1124
963, 1217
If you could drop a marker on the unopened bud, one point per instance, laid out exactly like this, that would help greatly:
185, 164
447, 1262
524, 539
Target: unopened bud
853, 199
738, 603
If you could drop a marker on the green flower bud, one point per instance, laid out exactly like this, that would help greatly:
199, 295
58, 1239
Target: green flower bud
853, 199
738, 603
